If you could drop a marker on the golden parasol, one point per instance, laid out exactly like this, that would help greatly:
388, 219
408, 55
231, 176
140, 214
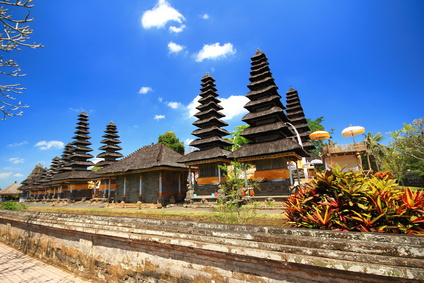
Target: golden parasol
352, 131
319, 135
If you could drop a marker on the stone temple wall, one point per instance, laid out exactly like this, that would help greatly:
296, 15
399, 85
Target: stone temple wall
117, 249
413, 179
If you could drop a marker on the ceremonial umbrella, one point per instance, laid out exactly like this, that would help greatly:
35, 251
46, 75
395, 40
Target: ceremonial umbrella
352, 131
316, 162
319, 135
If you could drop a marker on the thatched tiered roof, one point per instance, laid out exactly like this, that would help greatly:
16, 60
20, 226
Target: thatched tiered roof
34, 179
209, 142
294, 112
65, 160
147, 158
110, 147
74, 175
79, 159
268, 131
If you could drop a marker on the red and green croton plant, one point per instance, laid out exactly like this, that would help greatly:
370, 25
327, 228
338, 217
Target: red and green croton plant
353, 201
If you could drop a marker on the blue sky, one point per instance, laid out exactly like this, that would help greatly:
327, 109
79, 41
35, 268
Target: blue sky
139, 64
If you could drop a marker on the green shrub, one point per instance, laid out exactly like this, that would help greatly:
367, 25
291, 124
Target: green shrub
352, 201
12, 205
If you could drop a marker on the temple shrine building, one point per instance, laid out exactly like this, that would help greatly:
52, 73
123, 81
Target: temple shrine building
155, 173
211, 153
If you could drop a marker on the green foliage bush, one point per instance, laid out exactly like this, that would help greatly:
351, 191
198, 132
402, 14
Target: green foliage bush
352, 201
12, 205
236, 185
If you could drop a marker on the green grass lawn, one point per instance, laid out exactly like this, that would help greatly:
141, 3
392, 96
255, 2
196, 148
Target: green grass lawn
250, 217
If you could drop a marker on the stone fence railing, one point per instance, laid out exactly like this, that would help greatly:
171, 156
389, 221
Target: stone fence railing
114, 249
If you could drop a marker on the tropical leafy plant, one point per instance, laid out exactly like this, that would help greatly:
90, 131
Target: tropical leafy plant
353, 201
236, 138
236, 185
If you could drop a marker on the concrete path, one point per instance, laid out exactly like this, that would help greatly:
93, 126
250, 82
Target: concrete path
16, 267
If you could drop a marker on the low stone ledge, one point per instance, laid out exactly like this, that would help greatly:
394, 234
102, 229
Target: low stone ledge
348, 255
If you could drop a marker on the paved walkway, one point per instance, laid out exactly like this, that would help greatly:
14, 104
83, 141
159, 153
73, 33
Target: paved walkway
16, 267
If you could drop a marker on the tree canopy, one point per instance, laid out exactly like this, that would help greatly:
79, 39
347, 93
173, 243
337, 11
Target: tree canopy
170, 139
405, 152
408, 147
16, 33
316, 125
236, 138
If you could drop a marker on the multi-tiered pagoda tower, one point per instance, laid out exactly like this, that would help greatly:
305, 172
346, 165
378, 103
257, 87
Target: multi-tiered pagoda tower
79, 160
272, 142
65, 158
110, 147
294, 112
210, 143
73, 177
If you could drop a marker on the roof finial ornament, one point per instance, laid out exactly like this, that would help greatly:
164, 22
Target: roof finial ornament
258, 51
207, 74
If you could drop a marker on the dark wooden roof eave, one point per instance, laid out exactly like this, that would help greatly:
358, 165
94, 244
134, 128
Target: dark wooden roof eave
277, 147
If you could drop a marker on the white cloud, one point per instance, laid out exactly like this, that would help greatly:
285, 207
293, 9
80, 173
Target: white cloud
188, 141
18, 175
16, 160
205, 16
174, 48
17, 144
44, 145
233, 106
177, 29
79, 110
174, 105
145, 89
160, 15
158, 117
160, 99
192, 106
96, 160
215, 51
5, 175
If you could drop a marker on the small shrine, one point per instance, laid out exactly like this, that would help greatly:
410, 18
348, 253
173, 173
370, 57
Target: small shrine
211, 151
272, 143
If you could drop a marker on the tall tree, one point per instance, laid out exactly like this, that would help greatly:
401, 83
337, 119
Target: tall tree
15, 34
376, 150
408, 143
170, 139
